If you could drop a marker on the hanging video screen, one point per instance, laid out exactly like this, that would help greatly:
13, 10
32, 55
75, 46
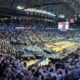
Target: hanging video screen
63, 26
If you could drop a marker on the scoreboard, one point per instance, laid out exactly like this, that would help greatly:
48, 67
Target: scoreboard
63, 26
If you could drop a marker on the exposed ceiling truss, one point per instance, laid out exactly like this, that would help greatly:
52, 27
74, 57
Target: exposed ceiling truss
67, 7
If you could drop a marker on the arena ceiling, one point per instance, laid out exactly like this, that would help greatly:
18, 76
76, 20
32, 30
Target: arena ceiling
67, 7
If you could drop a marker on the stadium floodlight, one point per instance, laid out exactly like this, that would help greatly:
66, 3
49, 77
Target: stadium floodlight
20, 7
79, 15
61, 16
39, 11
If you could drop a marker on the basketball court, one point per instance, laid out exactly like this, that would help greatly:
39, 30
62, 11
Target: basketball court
59, 46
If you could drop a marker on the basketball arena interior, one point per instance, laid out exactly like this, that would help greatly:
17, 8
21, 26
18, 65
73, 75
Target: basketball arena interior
39, 39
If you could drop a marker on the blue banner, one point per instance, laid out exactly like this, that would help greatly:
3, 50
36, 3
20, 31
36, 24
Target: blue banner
7, 28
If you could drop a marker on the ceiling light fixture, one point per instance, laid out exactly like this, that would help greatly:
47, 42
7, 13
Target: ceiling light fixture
20, 7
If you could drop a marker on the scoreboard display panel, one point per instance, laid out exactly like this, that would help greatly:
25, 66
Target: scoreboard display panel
63, 26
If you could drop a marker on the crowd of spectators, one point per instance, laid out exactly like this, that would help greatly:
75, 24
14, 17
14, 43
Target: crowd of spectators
14, 69
15, 41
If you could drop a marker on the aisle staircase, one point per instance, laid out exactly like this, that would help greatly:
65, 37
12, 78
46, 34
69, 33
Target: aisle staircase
43, 61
